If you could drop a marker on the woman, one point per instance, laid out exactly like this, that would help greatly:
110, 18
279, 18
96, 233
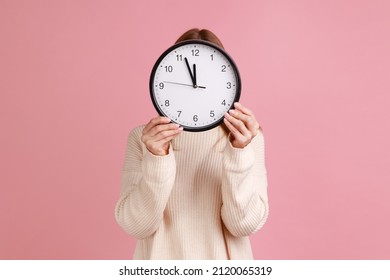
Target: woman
192, 195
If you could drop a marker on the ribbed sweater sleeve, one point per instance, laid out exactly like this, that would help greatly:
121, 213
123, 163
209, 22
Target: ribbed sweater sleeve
147, 182
244, 188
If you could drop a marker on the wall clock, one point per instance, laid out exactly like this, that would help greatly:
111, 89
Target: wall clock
194, 83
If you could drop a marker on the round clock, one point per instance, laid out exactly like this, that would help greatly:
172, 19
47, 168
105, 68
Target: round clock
194, 83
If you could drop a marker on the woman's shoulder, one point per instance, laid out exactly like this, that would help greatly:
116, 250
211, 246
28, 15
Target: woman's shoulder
134, 142
137, 130
134, 135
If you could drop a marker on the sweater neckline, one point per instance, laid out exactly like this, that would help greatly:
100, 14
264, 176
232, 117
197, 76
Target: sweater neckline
215, 137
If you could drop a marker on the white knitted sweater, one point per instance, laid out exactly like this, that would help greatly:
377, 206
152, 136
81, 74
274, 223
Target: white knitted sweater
201, 201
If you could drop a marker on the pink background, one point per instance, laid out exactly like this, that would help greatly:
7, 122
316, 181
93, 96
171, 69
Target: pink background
74, 81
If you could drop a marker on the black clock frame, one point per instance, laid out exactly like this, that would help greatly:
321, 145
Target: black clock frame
189, 42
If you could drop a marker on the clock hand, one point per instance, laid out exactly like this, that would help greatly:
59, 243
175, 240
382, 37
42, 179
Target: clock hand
195, 83
189, 70
178, 83
183, 84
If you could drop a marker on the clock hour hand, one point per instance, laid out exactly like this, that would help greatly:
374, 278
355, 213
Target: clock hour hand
189, 70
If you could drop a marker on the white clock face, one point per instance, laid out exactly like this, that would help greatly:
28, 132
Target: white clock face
194, 83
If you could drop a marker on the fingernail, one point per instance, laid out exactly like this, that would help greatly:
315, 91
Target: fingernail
232, 111
180, 128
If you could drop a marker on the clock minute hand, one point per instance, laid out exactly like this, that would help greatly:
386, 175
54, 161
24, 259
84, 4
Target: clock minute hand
181, 84
195, 82
189, 70
177, 83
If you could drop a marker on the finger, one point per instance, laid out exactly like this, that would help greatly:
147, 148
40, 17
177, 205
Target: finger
239, 115
249, 121
161, 128
252, 123
157, 142
167, 134
170, 137
155, 121
243, 109
235, 134
239, 125
231, 128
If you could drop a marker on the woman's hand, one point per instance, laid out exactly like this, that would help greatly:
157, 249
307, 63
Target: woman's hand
158, 133
242, 125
